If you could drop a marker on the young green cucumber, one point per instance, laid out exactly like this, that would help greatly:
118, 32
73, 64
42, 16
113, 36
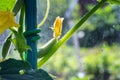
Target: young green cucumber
44, 50
6, 47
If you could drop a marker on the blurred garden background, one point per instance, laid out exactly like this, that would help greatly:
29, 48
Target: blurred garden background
93, 53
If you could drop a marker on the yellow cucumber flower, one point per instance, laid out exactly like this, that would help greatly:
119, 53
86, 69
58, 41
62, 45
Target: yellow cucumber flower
7, 20
57, 27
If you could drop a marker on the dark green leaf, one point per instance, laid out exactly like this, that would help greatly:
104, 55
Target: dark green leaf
18, 6
6, 46
11, 68
30, 75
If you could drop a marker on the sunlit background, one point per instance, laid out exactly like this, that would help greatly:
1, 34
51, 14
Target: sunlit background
93, 53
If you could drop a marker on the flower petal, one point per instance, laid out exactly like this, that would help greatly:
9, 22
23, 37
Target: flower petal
57, 27
7, 20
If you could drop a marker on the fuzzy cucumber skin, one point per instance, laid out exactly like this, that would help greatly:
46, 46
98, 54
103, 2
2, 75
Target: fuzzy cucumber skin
44, 50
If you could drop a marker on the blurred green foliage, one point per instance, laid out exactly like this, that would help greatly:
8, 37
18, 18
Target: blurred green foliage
104, 60
103, 26
103, 16
99, 62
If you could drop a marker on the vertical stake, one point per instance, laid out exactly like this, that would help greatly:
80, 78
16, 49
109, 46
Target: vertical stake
31, 24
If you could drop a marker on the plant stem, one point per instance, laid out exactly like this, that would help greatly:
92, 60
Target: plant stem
21, 20
46, 14
70, 33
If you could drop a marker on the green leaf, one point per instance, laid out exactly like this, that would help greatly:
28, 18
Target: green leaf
7, 4
30, 75
111, 1
114, 1
12, 69
11, 64
20, 43
6, 46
